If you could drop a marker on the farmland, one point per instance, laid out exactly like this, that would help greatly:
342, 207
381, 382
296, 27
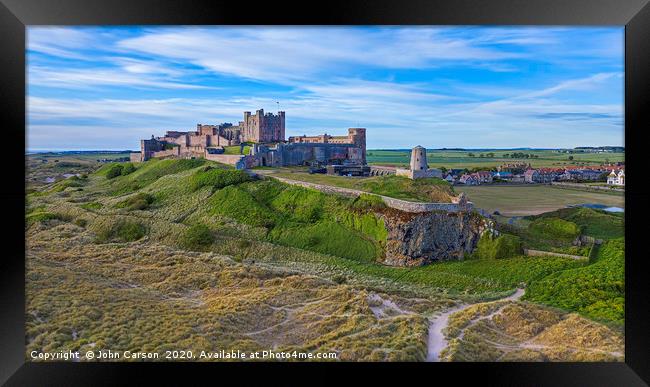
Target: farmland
461, 159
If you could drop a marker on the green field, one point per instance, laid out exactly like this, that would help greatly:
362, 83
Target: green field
460, 159
521, 200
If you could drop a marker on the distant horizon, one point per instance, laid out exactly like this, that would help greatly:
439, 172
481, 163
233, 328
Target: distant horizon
368, 149
470, 86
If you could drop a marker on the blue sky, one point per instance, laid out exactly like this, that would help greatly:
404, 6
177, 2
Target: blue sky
472, 87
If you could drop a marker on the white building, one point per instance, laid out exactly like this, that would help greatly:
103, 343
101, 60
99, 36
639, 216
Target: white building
616, 178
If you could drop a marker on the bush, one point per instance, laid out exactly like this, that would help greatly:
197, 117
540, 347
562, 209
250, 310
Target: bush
197, 237
555, 227
123, 231
217, 178
128, 168
503, 246
140, 201
114, 171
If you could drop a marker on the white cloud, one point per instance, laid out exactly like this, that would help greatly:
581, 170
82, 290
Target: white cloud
287, 55
132, 75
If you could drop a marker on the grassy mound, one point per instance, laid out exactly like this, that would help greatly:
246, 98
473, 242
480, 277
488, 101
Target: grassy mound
595, 223
139, 201
197, 237
325, 237
217, 178
303, 218
596, 291
238, 204
146, 174
555, 228
121, 231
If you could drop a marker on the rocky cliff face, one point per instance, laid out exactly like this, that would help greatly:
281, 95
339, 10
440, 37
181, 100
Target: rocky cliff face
416, 239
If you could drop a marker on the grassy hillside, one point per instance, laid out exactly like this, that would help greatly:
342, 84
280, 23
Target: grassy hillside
595, 223
193, 254
596, 290
400, 187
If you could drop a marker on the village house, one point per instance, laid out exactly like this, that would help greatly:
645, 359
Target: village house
502, 175
616, 178
469, 179
483, 176
541, 175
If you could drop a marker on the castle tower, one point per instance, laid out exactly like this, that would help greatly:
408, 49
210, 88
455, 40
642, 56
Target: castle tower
357, 136
419, 159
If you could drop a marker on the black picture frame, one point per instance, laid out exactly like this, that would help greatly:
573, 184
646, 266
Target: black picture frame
15, 15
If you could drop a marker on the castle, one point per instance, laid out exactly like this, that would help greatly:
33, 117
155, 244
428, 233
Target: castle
266, 133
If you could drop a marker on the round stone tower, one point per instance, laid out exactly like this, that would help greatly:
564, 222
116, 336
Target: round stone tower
419, 159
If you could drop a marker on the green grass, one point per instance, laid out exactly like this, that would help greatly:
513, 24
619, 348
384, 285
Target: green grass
40, 216
503, 246
238, 204
303, 218
550, 227
522, 200
217, 178
147, 173
400, 187
595, 223
92, 206
596, 291
197, 237
237, 150
121, 231
326, 237
139, 201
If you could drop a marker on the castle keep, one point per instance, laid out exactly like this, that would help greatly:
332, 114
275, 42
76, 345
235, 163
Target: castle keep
266, 133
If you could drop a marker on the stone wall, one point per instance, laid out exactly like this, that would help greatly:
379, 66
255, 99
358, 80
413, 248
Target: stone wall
587, 187
398, 204
224, 159
135, 157
418, 174
539, 253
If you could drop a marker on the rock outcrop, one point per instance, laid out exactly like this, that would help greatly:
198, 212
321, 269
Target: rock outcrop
416, 239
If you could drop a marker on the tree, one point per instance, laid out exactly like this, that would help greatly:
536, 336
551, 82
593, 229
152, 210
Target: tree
470, 154
570, 158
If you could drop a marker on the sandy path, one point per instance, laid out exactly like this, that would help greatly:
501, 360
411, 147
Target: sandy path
436, 341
